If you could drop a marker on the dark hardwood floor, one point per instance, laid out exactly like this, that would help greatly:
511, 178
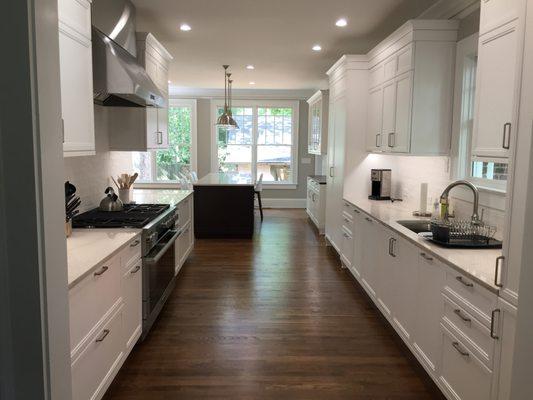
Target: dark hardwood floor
270, 318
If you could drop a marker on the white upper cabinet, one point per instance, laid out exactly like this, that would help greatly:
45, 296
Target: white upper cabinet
498, 72
76, 76
318, 123
141, 129
413, 73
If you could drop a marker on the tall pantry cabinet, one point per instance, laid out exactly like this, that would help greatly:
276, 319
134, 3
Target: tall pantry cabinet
347, 108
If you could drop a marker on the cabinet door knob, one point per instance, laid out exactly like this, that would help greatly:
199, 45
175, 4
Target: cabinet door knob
462, 280
101, 271
457, 347
102, 336
497, 281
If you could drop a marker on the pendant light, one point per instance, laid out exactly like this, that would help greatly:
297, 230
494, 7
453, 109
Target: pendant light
224, 120
233, 123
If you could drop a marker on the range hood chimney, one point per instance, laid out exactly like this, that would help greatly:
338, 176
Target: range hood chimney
118, 78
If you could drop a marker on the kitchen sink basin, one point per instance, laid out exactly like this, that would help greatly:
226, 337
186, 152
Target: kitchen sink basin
416, 225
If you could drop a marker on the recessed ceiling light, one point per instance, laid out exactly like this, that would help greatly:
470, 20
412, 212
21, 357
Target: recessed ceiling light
169, 81
185, 27
250, 66
317, 47
341, 22
252, 83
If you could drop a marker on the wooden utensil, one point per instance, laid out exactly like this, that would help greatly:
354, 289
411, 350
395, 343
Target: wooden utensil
133, 178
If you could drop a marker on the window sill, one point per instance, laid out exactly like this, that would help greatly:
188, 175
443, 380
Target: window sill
157, 185
282, 186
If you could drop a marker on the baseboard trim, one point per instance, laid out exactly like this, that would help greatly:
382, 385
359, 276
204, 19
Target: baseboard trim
284, 203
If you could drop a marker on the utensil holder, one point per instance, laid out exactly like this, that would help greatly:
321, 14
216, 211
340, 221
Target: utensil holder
125, 195
68, 228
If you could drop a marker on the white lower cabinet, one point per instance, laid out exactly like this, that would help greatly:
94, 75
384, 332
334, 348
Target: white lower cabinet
429, 308
96, 366
506, 333
132, 292
463, 375
105, 321
369, 273
185, 241
316, 204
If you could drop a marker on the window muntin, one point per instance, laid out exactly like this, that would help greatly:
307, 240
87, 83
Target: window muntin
265, 143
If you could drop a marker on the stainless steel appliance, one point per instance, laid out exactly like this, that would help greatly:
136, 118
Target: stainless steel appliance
118, 79
381, 184
160, 229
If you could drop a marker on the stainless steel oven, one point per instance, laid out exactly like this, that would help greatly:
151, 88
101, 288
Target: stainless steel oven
158, 266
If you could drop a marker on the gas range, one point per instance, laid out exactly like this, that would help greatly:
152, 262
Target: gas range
132, 216
160, 230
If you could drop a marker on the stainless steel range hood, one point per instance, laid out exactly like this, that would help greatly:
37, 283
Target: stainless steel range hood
118, 78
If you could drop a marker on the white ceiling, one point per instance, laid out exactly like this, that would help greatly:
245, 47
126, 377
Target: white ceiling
274, 35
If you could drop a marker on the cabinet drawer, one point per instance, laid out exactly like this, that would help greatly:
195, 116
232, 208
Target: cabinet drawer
476, 299
476, 332
347, 209
347, 247
76, 14
463, 375
95, 367
92, 298
131, 252
184, 211
132, 310
347, 222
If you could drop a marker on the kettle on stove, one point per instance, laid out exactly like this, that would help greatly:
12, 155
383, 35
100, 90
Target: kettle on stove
111, 202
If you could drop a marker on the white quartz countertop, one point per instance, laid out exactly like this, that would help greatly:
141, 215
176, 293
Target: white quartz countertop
87, 248
160, 196
225, 179
478, 264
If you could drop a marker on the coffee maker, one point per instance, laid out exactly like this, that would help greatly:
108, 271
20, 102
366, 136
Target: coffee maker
381, 184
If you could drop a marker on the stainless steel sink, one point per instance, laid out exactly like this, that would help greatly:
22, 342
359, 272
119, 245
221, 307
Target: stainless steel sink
416, 225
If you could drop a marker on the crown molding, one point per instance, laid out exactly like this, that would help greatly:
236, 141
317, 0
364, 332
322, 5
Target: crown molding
450, 9
269, 94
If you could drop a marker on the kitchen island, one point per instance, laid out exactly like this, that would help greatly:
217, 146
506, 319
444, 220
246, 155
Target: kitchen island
224, 206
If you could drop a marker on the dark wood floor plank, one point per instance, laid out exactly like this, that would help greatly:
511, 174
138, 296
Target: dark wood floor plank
269, 318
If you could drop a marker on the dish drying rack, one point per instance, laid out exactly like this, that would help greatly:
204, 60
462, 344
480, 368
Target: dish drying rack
464, 233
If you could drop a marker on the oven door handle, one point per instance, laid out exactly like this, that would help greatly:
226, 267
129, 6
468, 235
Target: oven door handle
157, 257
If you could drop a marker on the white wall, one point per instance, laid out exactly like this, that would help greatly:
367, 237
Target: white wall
91, 174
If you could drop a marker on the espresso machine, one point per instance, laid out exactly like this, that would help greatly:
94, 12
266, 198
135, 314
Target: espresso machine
381, 184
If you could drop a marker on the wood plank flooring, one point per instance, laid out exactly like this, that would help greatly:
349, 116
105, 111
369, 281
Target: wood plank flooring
270, 318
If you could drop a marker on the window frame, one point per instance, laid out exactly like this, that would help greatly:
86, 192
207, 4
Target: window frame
255, 104
172, 103
493, 192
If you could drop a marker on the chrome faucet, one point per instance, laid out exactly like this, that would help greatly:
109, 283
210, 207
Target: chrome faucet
444, 200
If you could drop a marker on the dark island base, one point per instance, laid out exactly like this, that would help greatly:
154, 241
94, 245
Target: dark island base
223, 211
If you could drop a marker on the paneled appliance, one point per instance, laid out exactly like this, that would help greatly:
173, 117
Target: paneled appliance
381, 184
160, 230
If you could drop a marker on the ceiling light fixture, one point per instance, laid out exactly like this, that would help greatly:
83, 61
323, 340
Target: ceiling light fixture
169, 82
185, 27
317, 47
225, 120
250, 66
252, 83
341, 22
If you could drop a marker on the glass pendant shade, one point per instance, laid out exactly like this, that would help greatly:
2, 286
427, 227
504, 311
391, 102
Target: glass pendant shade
225, 120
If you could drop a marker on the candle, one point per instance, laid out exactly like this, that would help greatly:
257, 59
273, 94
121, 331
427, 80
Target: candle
423, 197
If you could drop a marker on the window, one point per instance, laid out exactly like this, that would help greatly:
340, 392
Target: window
487, 173
165, 166
265, 143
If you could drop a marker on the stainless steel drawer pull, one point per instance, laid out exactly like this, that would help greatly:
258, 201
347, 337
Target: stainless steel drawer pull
346, 235
493, 324
347, 220
136, 269
368, 219
461, 279
457, 347
102, 271
135, 243
426, 257
356, 211
102, 336
377, 140
460, 314
497, 281
506, 136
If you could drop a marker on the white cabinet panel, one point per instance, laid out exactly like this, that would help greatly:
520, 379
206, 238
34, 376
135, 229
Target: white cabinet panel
495, 13
318, 123
429, 309
76, 76
358, 235
370, 252
132, 311
463, 375
399, 140
496, 91
375, 110
507, 330
389, 112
